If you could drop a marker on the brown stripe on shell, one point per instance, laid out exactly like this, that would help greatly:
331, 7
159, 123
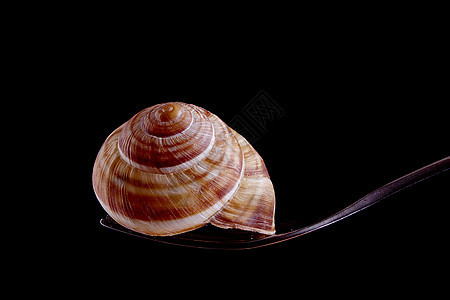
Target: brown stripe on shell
226, 158
152, 153
195, 193
135, 132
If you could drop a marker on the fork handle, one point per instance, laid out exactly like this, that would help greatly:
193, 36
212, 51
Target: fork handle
376, 196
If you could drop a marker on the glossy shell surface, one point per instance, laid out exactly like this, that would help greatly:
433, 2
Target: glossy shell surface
175, 167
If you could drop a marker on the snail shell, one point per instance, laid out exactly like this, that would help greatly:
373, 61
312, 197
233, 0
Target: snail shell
175, 167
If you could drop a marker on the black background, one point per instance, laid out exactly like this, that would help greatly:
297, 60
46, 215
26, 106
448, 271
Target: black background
357, 115
341, 136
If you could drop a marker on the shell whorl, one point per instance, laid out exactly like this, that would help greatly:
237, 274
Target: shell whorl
174, 167
166, 138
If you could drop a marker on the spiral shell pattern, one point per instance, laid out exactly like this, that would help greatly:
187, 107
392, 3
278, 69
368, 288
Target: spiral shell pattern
175, 167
